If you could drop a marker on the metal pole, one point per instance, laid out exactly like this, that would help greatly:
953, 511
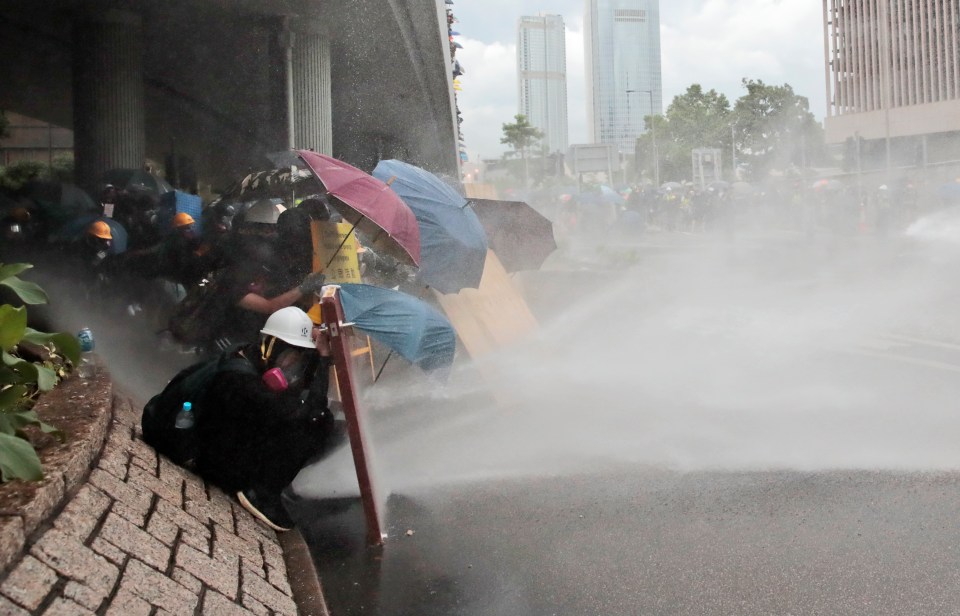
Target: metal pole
653, 135
733, 150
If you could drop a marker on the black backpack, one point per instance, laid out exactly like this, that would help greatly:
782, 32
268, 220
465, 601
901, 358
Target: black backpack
197, 315
189, 385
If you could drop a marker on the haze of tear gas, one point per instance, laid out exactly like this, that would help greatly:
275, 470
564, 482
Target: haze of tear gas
746, 355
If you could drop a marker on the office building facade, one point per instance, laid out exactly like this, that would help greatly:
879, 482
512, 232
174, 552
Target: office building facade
542, 77
892, 72
622, 45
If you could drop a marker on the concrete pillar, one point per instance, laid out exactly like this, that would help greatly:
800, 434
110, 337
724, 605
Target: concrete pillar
311, 102
108, 92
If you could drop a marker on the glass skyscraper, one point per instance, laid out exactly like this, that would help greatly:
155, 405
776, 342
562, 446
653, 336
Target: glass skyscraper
622, 40
542, 77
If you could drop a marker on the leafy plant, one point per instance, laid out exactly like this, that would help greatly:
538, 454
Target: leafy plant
24, 374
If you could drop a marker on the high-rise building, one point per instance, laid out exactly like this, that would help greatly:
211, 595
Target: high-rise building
893, 74
542, 77
622, 41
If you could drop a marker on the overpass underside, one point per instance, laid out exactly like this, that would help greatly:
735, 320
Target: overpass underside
217, 85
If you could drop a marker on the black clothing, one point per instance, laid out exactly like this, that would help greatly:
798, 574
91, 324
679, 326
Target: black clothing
252, 438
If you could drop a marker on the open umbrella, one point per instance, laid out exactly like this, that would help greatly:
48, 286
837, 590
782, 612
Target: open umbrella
370, 206
452, 240
59, 203
521, 236
78, 226
137, 181
405, 324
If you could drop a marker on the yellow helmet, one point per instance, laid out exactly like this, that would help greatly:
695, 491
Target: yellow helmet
100, 229
182, 219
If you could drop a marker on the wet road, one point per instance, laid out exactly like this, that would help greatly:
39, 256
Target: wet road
652, 542
783, 441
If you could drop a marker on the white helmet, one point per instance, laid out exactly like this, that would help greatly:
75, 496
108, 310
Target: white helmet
291, 325
264, 211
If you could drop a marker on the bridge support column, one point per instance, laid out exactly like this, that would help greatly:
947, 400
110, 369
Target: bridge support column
108, 92
310, 105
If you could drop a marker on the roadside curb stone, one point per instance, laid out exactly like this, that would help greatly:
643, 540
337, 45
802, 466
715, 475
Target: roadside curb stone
115, 529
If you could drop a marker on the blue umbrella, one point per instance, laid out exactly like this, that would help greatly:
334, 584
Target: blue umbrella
453, 245
78, 225
409, 326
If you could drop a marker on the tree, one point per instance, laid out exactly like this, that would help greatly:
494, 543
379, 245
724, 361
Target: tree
694, 119
775, 129
521, 135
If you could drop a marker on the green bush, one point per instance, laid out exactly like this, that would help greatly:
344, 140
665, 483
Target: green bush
25, 374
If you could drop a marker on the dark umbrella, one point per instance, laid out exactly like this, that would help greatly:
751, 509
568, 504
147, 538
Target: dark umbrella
76, 227
58, 202
405, 324
282, 183
137, 181
521, 236
452, 240
370, 206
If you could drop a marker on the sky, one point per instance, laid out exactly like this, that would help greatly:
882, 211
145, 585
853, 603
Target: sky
715, 43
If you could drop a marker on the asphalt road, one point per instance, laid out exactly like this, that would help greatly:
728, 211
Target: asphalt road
764, 429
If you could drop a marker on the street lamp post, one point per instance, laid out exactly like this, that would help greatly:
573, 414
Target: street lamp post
653, 134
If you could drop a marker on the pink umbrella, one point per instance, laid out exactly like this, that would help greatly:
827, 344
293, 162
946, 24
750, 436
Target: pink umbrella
369, 205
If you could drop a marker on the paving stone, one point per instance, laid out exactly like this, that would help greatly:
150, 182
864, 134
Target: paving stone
125, 412
146, 466
81, 515
135, 541
255, 606
134, 515
221, 575
74, 560
136, 500
225, 542
216, 510
8, 608
249, 528
115, 460
66, 607
29, 583
157, 589
128, 604
173, 474
273, 554
261, 590
181, 518
215, 604
278, 577
83, 595
12, 540
188, 581
147, 481
108, 551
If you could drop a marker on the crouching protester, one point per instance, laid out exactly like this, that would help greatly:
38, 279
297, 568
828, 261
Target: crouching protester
259, 415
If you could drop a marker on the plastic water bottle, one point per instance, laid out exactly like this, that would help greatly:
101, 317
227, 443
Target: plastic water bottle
185, 417
87, 369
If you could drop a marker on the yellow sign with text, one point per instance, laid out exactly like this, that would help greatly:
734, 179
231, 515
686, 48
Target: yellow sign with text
335, 251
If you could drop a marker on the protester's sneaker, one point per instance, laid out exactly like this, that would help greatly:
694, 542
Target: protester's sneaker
270, 511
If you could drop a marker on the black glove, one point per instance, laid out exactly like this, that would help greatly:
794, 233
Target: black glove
312, 283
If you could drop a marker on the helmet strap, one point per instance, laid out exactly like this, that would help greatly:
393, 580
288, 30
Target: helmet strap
267, 349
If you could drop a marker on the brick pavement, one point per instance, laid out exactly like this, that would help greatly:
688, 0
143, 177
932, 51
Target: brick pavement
143, 536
